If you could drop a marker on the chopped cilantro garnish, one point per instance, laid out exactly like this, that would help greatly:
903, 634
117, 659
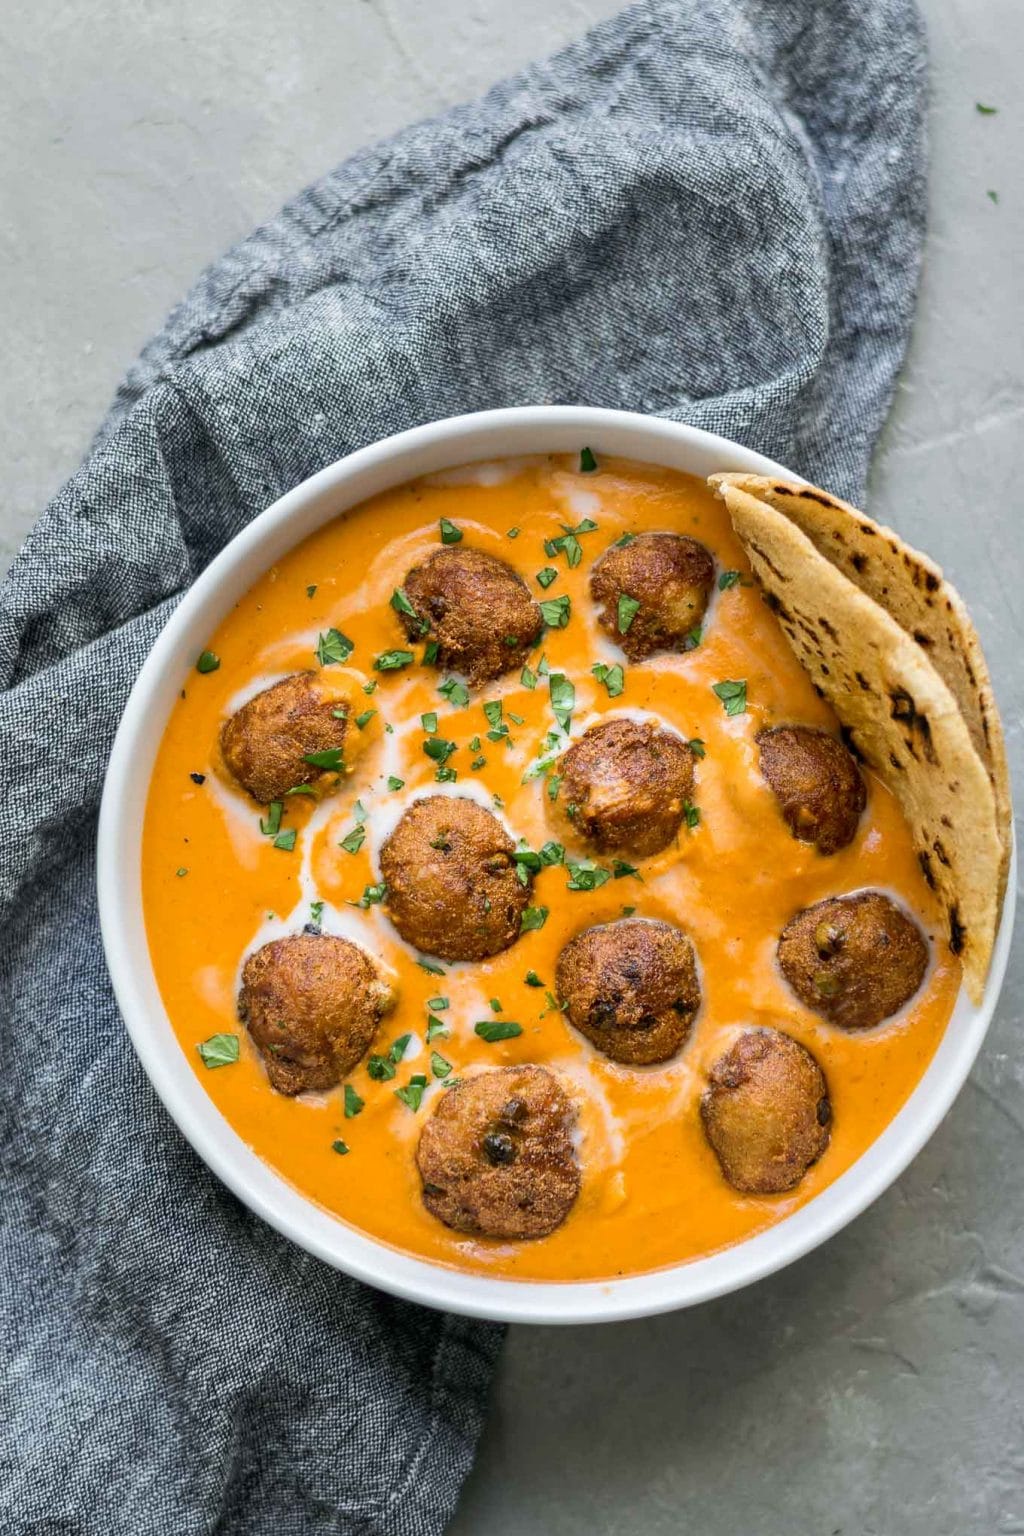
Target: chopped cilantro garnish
497, 1029
623, 540
208, 662
341, 1147
979, 106
369, 687
532, 979
513, 533
527, 862
552, 853
449, 533
563, 698
492, 709
354, 840
395, 783
728, 579
446, 775
554, 785
697, 747
316, 912
380, 1069
438, 748
692, 814
401, 604
330, 759
429, 722
285, 840
629, 607
733, 694
528, 678
587, 461
393, 661
371, 896
310, 591
353, 1103
333, 647
436, 1029
219, 1050
412, 1094
455, 692
363, 720
302, 789
547, 575
438, 1065
270, 825
430, 966
621, 870
437, 1004
533, 918
556, 611
613, 678
180, 872
585, 875
478, 763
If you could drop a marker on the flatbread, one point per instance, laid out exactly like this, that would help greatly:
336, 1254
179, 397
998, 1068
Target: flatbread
898, 714
913, 591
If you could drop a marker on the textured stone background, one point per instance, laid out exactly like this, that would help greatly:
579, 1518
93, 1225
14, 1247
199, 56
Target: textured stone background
875, 1389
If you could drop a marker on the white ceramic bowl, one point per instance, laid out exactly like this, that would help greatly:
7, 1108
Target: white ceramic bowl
441, 445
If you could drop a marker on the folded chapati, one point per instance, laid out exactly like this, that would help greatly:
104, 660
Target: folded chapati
899, 712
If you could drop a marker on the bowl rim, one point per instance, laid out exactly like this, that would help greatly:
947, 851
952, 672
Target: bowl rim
333, 491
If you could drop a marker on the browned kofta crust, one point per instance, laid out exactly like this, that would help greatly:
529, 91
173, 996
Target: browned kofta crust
312, 1004
452, 886
766, 1112
497, 1158
816, 782
265, 742
855, 960
631, 987
477, 608
626, 785
669, 575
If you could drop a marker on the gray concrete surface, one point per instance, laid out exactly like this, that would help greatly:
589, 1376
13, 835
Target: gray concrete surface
875, 1389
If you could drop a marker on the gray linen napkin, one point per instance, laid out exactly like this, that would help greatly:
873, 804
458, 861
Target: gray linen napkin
707, 210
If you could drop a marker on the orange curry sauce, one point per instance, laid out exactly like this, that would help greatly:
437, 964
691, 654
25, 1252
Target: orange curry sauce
215, 887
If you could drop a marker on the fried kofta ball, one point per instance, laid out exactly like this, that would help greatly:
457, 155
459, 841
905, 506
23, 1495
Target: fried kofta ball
670, 576
497, 1156
265, 743
626, 785
855, 960
312, 1004
452, 885
478, 610
766, 1112
631, 987
816, 783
